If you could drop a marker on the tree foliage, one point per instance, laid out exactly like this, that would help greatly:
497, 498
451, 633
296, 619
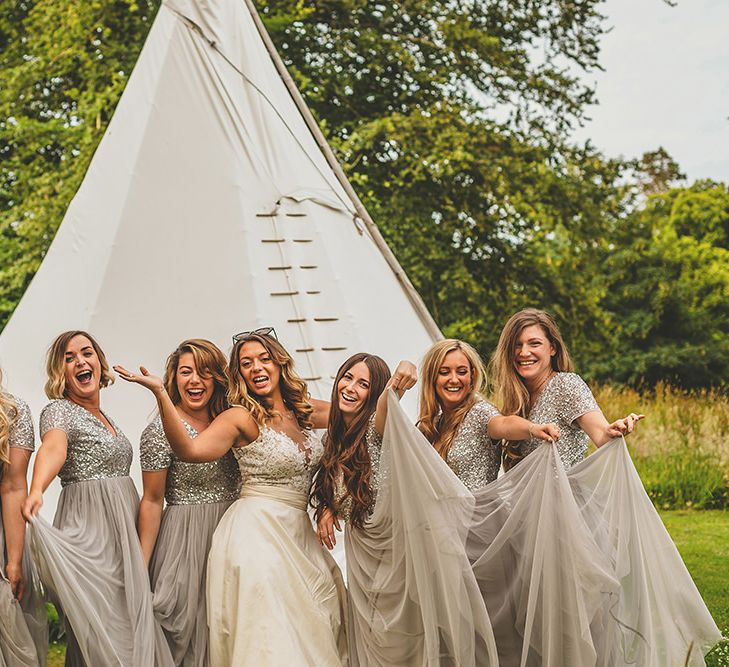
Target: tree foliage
454, 122
667, 291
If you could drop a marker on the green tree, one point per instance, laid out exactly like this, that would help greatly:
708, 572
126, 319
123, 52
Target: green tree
667, 291
64, 66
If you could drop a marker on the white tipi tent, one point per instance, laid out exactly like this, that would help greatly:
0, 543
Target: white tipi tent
213, 205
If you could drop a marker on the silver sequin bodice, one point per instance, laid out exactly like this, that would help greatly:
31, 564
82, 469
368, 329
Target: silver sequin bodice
188, 483
93, 452
565, 398
274, 459
474, 456
342, 499
21, 432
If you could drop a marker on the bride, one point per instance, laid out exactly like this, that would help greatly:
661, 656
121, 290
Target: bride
275, 597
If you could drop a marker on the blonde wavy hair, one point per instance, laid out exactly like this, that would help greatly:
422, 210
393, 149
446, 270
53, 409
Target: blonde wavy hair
293, 389
8, 416
438, 427
55, 386
210, 362
510, 392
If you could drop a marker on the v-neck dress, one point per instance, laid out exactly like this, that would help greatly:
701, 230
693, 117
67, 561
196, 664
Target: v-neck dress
90, 559
563, 400
275, 597
197, 495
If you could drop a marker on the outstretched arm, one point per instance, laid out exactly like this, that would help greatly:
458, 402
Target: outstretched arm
405, 377
232, 428
513, 427
600, 431
50, 459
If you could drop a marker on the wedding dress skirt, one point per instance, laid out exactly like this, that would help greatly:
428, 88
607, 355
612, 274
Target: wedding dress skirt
275, 597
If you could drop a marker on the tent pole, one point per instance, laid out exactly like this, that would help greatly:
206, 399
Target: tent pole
412, 294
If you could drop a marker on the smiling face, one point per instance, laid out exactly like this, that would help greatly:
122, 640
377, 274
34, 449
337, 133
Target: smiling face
454, 380
81, 369
195, 389
259, 371
353, 389
533, 355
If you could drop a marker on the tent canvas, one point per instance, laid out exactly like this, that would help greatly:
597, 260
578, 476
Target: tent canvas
210, 208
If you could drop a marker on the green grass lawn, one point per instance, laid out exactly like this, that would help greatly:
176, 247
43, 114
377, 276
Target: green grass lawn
702, 537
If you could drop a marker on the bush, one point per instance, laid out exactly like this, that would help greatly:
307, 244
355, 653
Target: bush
681, 449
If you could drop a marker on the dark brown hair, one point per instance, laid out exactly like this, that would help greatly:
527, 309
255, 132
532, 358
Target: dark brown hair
345, 450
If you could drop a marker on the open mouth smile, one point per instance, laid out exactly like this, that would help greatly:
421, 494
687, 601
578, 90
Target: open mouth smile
84, 377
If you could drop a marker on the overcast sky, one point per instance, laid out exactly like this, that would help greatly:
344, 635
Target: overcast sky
666, 84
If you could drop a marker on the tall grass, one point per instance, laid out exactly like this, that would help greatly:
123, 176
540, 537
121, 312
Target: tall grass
681, 449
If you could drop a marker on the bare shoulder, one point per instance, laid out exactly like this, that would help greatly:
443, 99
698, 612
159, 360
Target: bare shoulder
238, 418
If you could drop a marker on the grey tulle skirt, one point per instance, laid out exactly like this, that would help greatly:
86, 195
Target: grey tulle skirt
91, 564
23, 625
178, 572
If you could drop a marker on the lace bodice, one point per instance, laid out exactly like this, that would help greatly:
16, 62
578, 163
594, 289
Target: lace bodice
565, 398
274, 459
93, 452
188, 483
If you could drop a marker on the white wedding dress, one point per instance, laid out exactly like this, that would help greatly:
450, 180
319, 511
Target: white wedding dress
275, 597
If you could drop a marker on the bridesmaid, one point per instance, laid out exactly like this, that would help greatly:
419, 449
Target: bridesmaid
24, 627
462, 426
274, 596
90, 559
533, 378
197, 495
412, 599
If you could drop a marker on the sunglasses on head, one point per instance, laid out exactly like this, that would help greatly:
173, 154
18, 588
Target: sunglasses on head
263, 331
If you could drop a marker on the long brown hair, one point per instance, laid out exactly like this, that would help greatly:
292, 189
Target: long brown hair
56, 359
8, 416
438, 428
345, 449
293, 389
512, 395
210, 362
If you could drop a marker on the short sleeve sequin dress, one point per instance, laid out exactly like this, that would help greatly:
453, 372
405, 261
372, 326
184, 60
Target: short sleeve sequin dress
564, 399
473, 455
24, 626
275, 597
197, 495
90, 559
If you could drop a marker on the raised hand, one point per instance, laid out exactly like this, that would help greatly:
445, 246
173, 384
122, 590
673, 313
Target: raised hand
624, 426
405, 377
143, 378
